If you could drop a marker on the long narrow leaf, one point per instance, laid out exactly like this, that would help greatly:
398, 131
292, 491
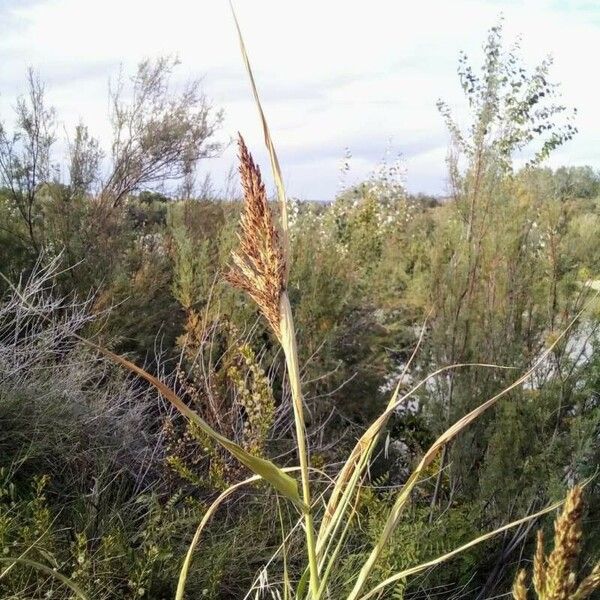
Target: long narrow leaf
212, 509
362, 447
268, 471
356, 463
269, 143
49, 571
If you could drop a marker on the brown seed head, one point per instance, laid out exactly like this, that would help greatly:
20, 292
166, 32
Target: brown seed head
589, 584
554, 577
567, 542
539, 566
259, 265
519, 590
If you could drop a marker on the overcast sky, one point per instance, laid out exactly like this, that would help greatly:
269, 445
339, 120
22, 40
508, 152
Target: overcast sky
332, 74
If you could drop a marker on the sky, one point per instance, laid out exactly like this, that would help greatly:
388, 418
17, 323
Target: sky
332, 74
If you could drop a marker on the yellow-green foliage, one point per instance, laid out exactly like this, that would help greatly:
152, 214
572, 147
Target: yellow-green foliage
129, 557
234, 395
415, 540
254, 396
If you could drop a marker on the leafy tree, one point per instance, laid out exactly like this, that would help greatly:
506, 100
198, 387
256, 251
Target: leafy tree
157, 136
25, 162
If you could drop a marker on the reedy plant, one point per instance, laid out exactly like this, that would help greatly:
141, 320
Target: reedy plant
261, 270
258, 270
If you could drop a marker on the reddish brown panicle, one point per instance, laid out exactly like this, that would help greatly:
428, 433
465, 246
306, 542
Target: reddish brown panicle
258, 263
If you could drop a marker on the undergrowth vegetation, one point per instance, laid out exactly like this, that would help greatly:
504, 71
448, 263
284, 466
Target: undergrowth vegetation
382, 396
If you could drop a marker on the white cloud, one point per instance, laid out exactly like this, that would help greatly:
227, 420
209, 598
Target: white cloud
332, 74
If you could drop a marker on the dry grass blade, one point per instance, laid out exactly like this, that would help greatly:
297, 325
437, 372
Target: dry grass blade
208, 515
357, 461
79, 593
429, 456
287, 584
269, 143
259, 262
212, 509
268, 471
364, 446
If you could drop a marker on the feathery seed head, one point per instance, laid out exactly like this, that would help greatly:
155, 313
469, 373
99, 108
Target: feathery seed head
589, 584
567, 542
258, 264
554, 577
519, 590
539, 566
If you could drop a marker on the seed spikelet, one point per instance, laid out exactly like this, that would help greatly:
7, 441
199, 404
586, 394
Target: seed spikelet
519, 590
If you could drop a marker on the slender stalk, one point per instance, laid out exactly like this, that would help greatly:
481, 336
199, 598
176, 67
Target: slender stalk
288, 342
333, 562
286, 333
